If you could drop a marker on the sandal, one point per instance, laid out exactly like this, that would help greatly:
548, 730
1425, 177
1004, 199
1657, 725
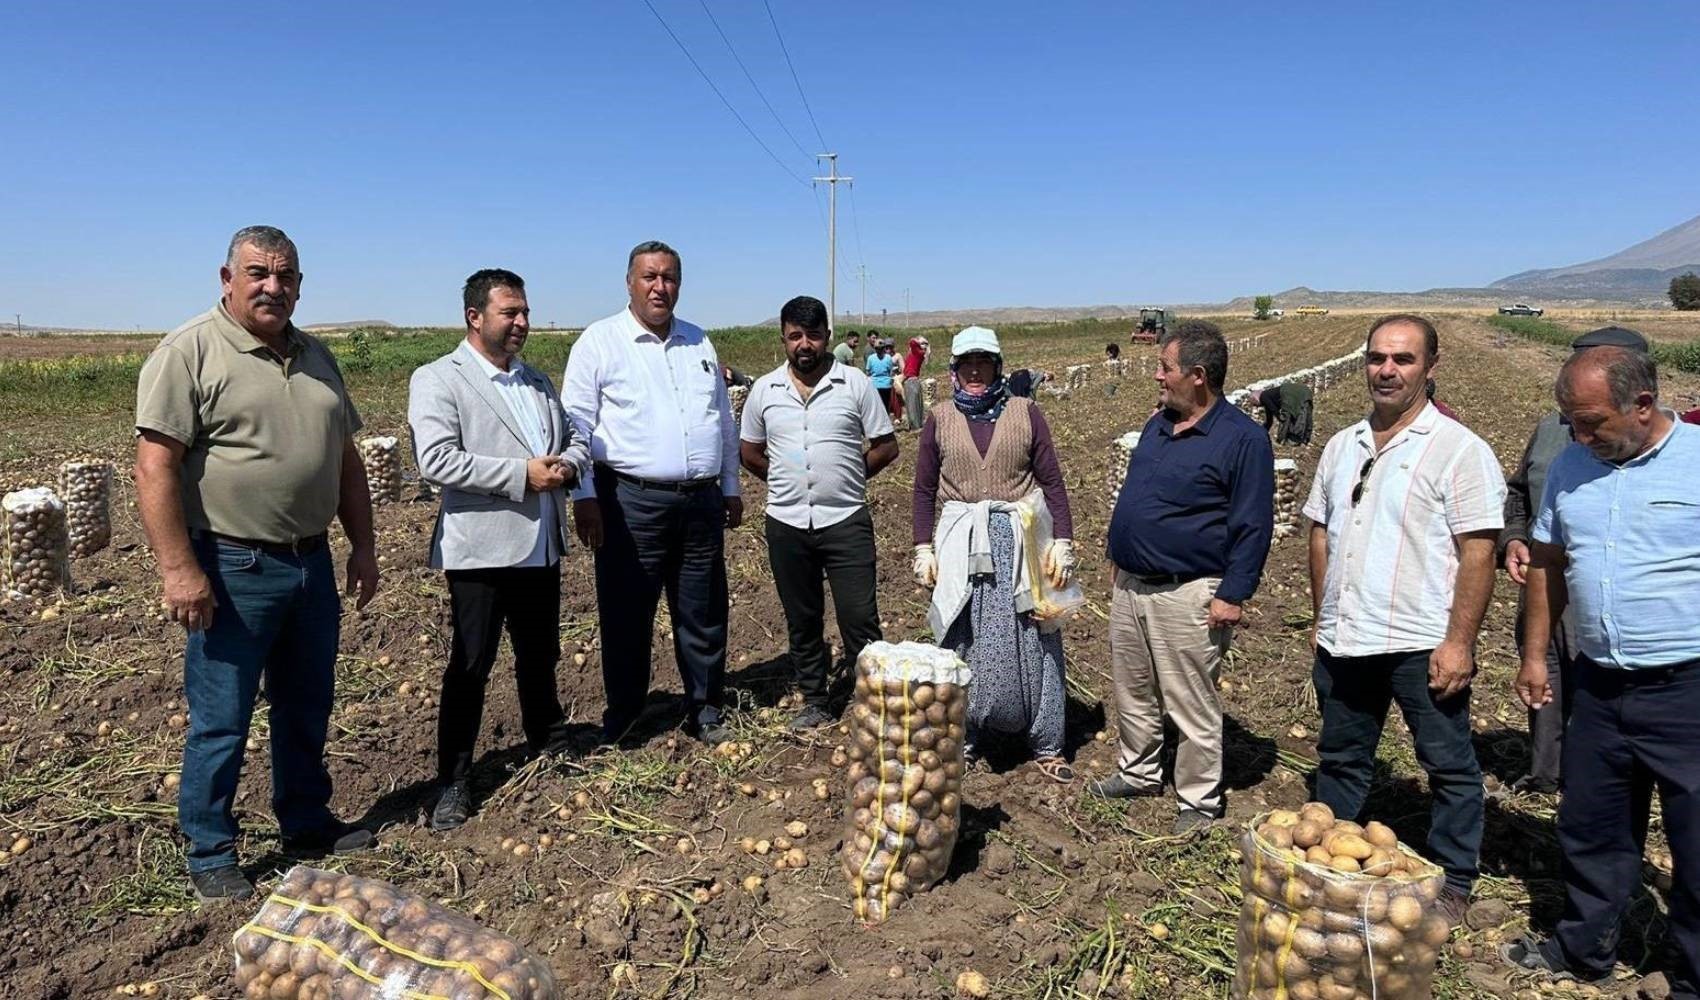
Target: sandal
1054, 767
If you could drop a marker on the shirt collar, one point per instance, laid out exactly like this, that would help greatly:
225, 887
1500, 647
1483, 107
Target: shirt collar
639, 331
294, 341
516, 367
780, 378
1423, 424
1205, 423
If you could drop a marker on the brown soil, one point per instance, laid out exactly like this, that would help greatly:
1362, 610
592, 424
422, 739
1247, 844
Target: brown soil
1049, 894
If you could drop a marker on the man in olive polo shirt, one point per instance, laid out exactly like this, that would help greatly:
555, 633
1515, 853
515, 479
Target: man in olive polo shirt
244, 453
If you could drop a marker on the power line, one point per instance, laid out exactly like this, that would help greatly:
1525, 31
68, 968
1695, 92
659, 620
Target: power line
753, 85
723, 100
788, 65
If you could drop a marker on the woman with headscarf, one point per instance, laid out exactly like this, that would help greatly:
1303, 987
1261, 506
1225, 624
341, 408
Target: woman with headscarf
986, 477
919, 351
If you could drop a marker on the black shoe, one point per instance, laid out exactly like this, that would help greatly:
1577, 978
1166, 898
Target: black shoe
812, 717
1529, 955
454, 807
560, 743
335, 838
1118, 787
219, 884
711, 728
1191, 821
1528, 784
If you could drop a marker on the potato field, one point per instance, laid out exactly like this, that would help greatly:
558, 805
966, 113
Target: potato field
667, 869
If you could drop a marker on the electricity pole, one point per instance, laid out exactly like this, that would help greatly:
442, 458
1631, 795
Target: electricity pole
20, 319
906, 323
832, 181
862, 273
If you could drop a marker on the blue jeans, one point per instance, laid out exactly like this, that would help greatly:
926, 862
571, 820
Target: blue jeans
1354, 694
278, 618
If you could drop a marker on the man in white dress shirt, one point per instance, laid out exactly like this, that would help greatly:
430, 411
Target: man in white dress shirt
644, 387
1404, 511
490, 432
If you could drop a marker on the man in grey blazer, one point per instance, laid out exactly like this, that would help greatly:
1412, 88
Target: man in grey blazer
489, 431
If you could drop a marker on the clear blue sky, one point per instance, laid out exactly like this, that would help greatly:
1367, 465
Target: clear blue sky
1006, 153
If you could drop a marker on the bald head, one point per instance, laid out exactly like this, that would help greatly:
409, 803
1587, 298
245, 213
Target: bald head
1610, 395
1617, 375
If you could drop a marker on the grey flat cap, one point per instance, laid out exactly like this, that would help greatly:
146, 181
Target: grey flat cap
1610, 336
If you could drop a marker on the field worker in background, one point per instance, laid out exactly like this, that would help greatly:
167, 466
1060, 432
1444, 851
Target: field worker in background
804, 427
1445, 411
1290, 408
1523, 493
489, 431
1617, 543
1405, 508
244, 453
645, 388
845, 352
1112, 352
1189, 535
914, 406
990, 458
882, 368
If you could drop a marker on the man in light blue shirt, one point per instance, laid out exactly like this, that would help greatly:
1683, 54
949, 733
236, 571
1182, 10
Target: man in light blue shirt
1617, 540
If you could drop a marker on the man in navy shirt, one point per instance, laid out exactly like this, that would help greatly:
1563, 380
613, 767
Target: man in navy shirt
1189, 536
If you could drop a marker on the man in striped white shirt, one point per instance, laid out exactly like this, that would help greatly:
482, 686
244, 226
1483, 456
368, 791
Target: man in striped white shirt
1405, 509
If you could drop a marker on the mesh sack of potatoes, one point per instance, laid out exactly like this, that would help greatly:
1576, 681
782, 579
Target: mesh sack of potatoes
930, 390
1287, 500
329, 936
37, 547
382, 458
1349, 915
905, 772
737, 394
86, 487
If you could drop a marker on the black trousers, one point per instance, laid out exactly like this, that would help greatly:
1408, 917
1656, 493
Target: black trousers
1546, 724
655, 541
1629, 730
842, 555
528, 602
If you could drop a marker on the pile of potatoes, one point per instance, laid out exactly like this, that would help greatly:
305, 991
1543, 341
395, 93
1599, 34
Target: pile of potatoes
328, 936
86, 487
1335, 911
37, 557
737, 394
930, 390
904, 771
382, 458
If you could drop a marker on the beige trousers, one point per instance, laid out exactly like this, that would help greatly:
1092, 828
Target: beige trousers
1164, 660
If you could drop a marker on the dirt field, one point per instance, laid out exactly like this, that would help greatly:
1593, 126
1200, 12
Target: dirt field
1050, 895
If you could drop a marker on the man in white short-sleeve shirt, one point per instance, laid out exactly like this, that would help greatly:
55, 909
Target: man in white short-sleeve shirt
644, 387
804, 427
1405, 509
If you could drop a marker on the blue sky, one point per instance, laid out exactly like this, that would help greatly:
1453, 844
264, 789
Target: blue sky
1005, 153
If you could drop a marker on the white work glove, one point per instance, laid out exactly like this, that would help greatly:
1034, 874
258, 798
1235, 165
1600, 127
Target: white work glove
926, 566
1058, 563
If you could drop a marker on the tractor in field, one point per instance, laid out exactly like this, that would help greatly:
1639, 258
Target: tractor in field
1153, 323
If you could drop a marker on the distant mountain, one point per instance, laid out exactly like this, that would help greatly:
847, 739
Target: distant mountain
1640, 273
